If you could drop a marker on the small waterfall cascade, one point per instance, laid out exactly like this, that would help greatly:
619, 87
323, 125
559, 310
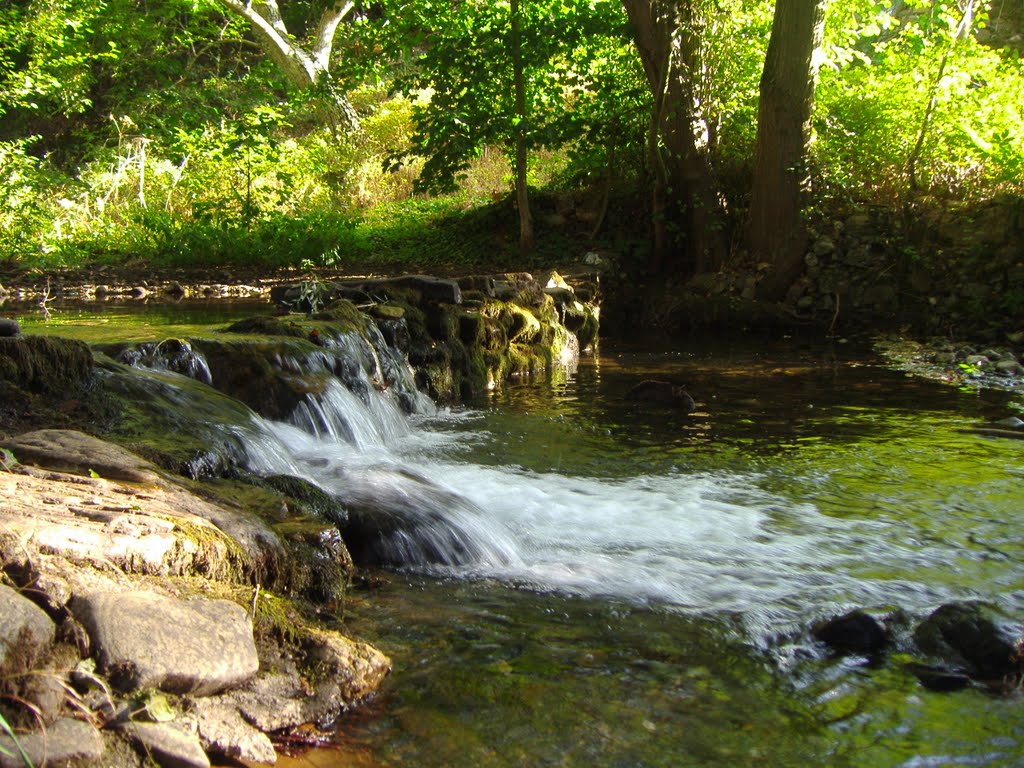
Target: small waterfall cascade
346, 435
174, 355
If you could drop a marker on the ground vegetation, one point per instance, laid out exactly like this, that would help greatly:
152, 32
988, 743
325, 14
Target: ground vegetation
430, 137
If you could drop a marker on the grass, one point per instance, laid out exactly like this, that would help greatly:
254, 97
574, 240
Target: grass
18, 750
446, 235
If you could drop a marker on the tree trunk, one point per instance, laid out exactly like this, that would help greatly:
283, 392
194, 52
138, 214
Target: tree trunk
526, 236
667, 39
781, 180
303, 68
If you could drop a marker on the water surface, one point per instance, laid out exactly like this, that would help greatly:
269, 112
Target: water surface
642, 580
657, 572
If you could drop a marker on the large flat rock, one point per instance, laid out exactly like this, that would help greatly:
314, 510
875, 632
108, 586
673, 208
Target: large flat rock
67, 450
144, 640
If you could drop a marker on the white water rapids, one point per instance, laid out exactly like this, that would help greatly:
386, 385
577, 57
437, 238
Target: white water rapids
709, 543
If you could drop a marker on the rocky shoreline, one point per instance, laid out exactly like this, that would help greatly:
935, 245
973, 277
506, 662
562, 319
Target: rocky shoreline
157, 602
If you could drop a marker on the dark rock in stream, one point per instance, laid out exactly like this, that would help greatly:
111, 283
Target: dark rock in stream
975, 637
662, 393
856, 632
398, 518
939, 678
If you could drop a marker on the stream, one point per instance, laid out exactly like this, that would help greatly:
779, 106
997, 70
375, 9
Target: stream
602, 582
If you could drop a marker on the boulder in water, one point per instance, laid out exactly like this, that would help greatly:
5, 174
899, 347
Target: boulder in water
661, 393
975, 636
855, 632
399, 518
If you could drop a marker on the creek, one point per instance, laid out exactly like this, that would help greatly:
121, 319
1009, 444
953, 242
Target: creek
603, 582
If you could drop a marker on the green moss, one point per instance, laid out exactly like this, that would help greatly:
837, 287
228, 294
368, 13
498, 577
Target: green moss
442, 323
471, 329
265, 325
303, 497
388, 311
249, 370
345, 315
218, 556
46, 364
277, 618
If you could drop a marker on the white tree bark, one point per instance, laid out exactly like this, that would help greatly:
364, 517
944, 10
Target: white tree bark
303, 67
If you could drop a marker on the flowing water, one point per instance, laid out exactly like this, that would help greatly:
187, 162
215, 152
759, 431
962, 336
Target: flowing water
592, 581
650, 576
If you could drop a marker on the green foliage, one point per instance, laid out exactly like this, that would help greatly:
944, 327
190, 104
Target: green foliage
18, 751
29, 191
7, 460
159, 132
47, 55
873, 106
460, 108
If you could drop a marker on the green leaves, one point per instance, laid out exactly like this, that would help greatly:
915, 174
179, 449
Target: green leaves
7, 460
462, 69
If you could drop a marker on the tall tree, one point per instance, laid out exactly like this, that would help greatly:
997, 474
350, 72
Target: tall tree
304, 67
667, 36
781, 179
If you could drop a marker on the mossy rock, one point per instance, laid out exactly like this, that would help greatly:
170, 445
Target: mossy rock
177, 423
471, 329
303, 497
51, 382
46, 364
319, 564
442, 323
249, 370
582, 320
266, 325
477, 377
345, 315
388, 311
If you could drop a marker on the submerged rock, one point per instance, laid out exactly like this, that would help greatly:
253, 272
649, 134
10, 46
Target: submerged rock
940, 678
662, 393
397, 517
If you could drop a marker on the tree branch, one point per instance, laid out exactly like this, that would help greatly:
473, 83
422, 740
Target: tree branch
326, 29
